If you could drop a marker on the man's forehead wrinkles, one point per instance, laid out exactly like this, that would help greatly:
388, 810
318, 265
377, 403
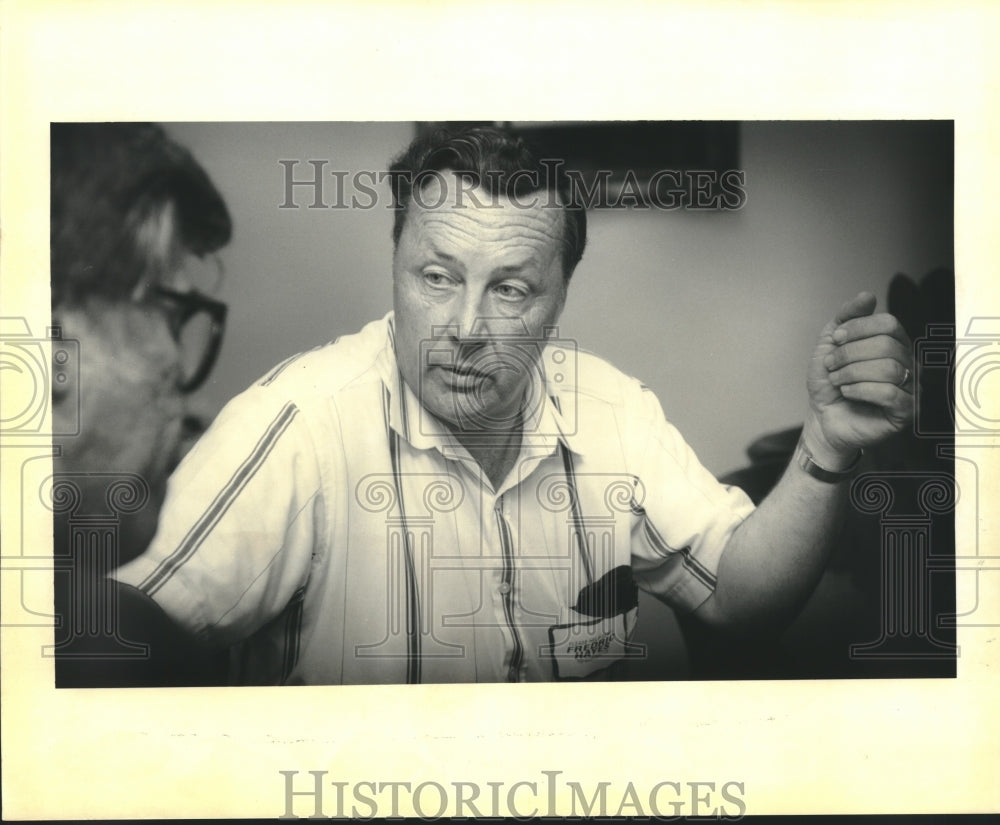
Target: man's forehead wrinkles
447, 229
515, 251
488, 217
462, 237
540, 230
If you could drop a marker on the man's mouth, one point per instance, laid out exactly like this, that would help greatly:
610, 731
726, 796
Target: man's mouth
465, 372
468, 373
464, 379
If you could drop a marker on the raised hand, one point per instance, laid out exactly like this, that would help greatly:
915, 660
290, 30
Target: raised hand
860, 379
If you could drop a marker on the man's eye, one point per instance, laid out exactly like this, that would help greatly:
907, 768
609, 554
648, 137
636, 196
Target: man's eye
436, 279
510, 292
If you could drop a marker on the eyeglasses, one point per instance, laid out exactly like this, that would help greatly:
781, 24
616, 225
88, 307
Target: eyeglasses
196, 273
197, 323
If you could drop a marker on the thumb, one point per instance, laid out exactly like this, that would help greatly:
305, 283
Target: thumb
859, 306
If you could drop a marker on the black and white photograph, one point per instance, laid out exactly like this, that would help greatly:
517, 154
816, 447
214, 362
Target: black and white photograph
364, 458
447, 455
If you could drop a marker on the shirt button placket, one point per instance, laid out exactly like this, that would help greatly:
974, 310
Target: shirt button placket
504, 589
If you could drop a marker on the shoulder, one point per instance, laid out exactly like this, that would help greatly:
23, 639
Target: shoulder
306, 386
604, 404
329, 368
590, 377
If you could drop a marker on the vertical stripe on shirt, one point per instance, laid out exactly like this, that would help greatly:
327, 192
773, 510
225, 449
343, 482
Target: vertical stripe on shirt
403, 415
507, 545
221, 503
577, 516
293, 632
413, 655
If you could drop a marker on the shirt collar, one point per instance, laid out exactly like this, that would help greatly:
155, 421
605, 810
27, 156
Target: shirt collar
550, 417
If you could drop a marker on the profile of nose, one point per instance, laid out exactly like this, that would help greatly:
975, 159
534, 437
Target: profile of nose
470, 338
473, 327
469, 321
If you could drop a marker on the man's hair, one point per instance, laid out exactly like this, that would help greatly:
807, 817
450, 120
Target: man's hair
110, 182
499, 162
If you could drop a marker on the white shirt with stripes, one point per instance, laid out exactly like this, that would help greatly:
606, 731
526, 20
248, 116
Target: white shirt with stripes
332, 531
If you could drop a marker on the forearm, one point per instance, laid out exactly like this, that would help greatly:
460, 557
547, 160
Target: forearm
775, 559
860, 393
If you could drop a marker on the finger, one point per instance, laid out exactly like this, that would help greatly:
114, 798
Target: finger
871, 325
867, 349
878, 393
883, 370
859, 306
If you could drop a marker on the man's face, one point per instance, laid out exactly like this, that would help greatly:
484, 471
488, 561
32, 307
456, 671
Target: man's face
130, 409
130, 412
476, 280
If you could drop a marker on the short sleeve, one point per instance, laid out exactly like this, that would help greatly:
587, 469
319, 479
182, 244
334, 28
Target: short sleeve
684, 516
239, 525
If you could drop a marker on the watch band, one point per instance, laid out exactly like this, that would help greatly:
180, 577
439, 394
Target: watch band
808, 464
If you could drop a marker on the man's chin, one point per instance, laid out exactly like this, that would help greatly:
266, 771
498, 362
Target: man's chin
474, 418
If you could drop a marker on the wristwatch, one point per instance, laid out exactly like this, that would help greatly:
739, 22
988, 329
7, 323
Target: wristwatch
805, 460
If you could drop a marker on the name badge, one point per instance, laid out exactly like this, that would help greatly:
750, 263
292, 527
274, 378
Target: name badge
579, 649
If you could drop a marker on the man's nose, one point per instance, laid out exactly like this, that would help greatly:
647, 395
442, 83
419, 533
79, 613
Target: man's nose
476, 322
471, 321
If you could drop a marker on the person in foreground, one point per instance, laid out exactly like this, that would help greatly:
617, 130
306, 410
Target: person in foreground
454, 495
135, 223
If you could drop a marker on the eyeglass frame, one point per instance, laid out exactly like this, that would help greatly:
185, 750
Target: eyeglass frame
190, 303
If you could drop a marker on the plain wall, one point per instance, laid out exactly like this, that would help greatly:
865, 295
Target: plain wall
716, 311
295, 278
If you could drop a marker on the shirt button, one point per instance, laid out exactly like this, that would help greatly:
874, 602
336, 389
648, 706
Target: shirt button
504, 588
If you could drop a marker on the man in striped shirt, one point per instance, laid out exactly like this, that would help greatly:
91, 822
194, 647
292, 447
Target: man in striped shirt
452, 495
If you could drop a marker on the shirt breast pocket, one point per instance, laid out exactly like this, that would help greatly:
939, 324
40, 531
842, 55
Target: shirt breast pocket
594, 632
582, 648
